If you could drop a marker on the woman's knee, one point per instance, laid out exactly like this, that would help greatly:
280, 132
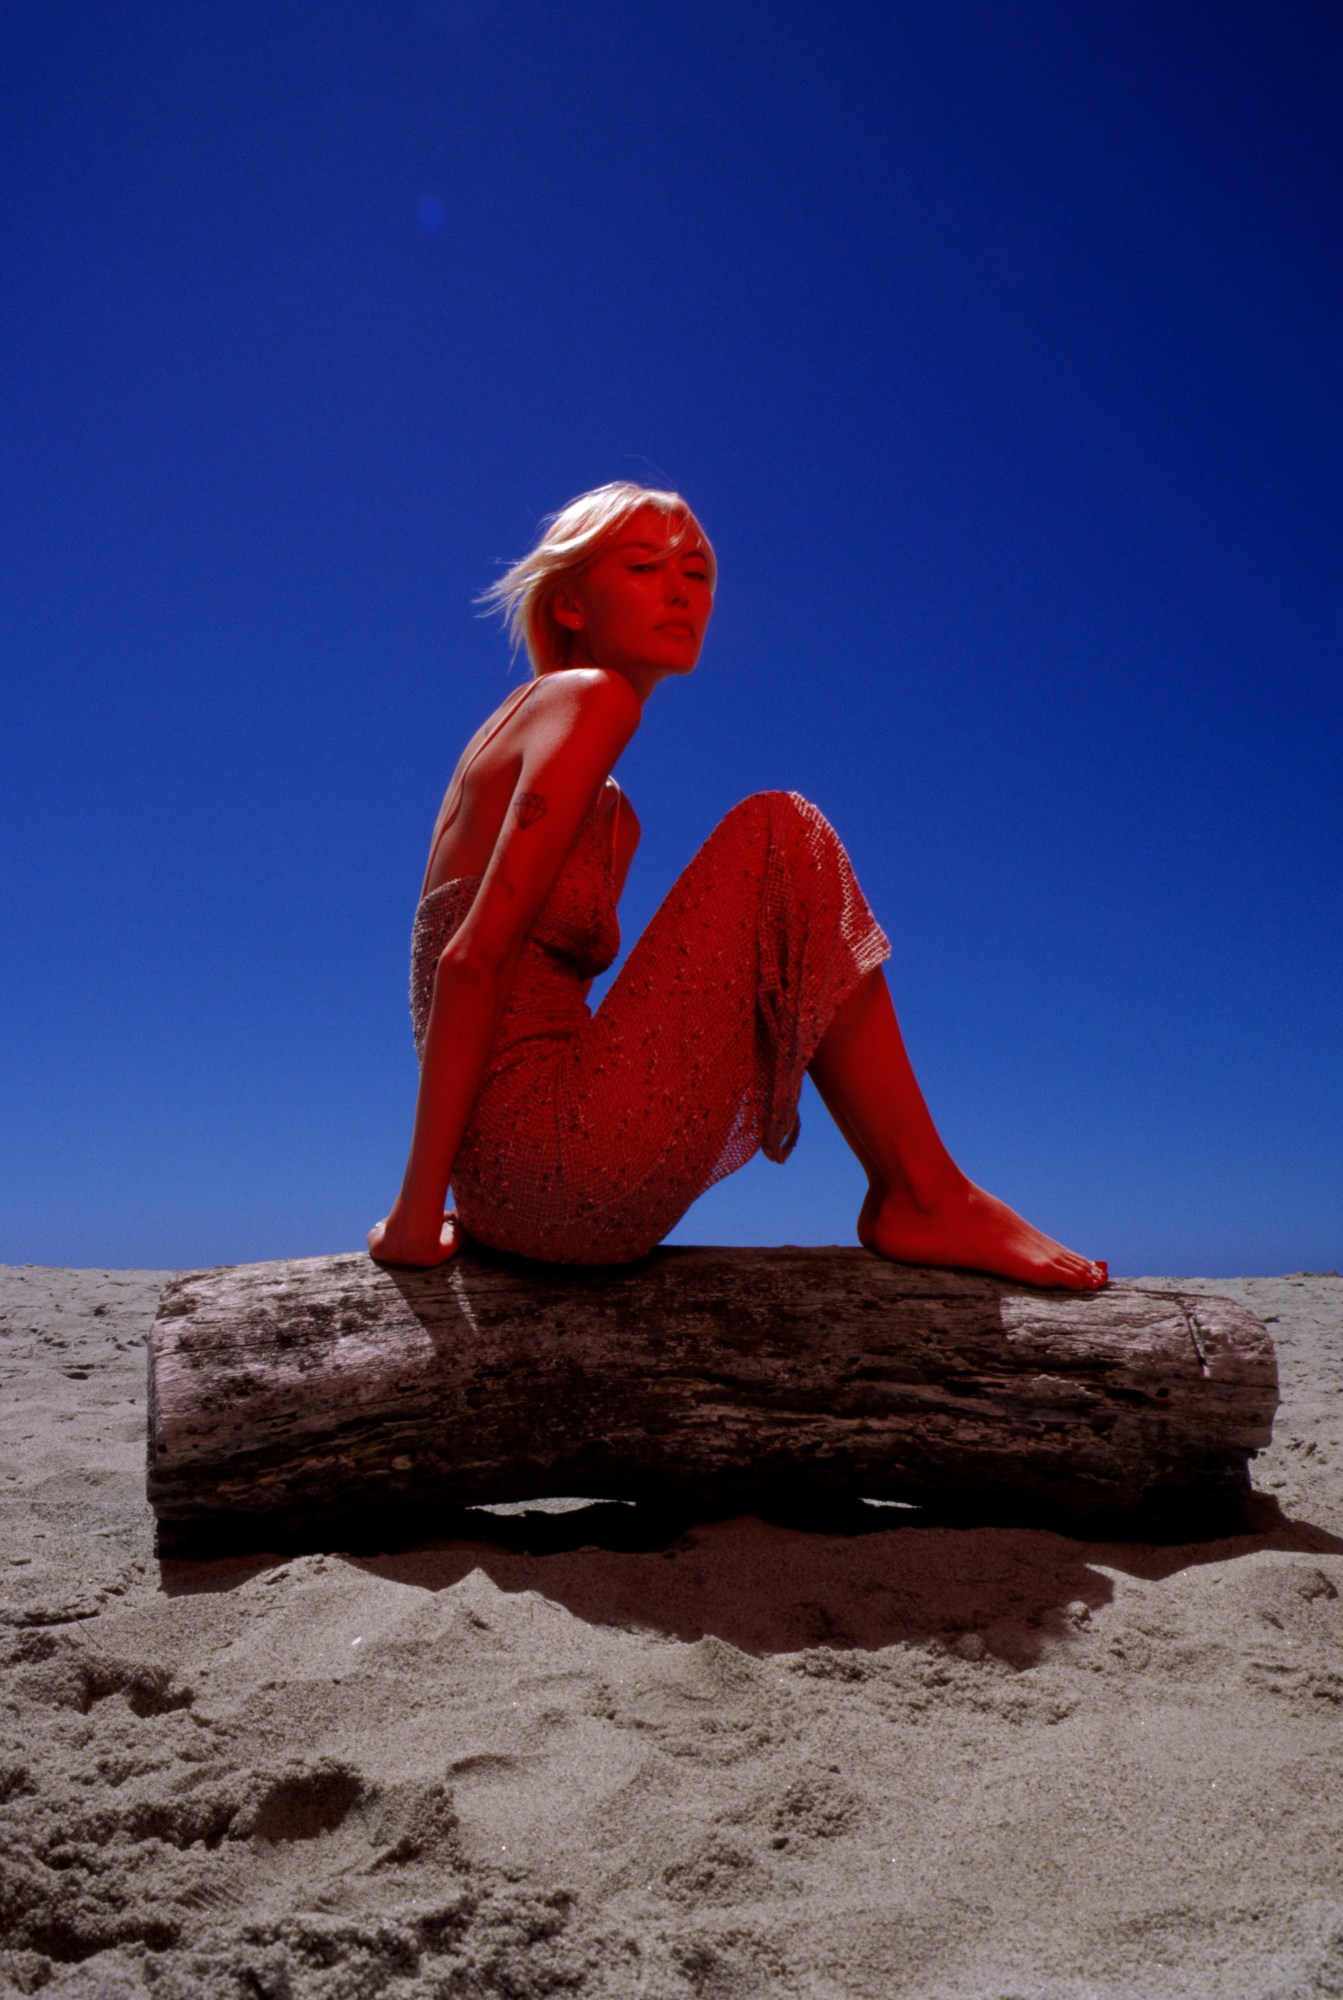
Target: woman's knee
762, 810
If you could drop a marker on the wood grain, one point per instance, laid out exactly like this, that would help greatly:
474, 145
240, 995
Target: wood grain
327, 1389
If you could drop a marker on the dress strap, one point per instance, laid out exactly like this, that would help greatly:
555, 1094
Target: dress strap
453, 806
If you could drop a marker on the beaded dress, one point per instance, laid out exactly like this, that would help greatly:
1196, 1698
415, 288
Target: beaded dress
592, 1133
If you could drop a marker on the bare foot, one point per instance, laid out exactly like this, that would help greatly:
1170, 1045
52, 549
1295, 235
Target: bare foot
973, 1231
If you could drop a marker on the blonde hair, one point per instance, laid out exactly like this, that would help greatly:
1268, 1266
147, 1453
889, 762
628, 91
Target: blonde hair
574, 537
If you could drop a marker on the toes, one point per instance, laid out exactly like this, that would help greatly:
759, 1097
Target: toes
1080, 1273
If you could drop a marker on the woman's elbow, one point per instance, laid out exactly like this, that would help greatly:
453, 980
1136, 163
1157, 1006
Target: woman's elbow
469, 967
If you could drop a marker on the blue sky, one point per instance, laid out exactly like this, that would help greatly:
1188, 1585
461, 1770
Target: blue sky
997, 346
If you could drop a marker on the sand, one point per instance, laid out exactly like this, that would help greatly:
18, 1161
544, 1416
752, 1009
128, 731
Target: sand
589, 1753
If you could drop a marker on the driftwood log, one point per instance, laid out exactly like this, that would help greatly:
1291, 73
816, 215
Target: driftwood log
297, 1396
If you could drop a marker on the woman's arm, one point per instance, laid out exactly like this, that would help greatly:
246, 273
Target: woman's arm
578, 724
468, 999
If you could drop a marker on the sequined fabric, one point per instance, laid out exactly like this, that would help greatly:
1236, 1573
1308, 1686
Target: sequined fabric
593, 1133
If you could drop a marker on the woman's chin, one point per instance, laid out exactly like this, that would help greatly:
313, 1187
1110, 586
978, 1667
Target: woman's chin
681, 659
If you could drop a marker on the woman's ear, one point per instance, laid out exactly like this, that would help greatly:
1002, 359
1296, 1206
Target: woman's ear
566, 609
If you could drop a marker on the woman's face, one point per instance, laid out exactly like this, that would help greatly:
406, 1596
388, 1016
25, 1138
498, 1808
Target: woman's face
641, 606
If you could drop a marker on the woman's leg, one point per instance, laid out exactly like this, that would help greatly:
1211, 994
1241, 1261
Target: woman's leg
590, 1148
920, 1207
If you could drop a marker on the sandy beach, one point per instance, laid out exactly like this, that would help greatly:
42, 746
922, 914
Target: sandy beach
588, 1753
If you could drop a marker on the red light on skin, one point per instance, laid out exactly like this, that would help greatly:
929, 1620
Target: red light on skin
642, 605
638, 612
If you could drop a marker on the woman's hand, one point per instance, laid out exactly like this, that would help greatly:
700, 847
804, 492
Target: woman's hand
392, 1241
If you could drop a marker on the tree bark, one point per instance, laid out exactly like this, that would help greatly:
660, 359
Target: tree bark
304, 1396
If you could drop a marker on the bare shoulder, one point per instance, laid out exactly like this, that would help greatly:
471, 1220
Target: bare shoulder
591, 692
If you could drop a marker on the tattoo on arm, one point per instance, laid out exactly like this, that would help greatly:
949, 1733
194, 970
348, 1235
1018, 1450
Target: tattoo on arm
528, 807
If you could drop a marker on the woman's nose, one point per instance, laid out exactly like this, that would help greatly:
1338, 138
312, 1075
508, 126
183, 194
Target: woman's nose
676, 589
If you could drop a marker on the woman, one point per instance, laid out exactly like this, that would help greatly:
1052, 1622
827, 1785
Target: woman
584, 1137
